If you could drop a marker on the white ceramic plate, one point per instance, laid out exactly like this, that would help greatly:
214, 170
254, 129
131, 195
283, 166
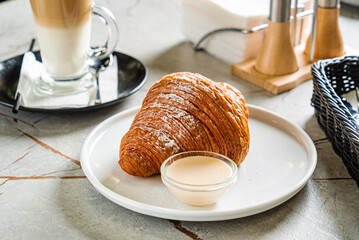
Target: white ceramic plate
281, 160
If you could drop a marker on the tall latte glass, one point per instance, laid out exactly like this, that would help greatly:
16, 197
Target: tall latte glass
64, 30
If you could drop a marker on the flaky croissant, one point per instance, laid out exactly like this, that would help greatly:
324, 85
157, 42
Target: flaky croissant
184, 112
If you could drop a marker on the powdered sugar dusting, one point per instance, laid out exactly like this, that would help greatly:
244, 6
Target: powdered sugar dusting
168, 142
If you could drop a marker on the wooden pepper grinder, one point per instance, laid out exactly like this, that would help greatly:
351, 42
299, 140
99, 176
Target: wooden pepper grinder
277, 56
328, 42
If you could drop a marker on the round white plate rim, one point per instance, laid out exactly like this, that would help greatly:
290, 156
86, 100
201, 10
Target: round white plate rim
197, 215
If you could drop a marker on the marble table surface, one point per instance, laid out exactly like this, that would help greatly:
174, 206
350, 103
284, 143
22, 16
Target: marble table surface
44, 193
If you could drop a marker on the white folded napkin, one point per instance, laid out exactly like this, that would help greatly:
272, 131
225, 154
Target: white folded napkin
31, 70
202, 16
109, 82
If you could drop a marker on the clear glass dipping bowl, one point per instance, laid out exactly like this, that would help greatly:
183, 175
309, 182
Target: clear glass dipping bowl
197, 194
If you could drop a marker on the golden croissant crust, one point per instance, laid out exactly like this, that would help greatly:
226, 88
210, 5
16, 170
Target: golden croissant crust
184, 112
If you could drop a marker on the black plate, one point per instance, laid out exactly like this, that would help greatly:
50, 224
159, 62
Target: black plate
132, 74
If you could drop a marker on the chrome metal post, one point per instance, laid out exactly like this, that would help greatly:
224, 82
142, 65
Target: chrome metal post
328, 3
314, 25
295, 21
279, 10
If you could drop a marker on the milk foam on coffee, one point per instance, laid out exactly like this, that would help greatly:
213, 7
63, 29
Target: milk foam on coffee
64, 31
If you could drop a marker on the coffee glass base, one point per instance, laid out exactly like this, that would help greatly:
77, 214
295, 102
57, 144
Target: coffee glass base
49, 86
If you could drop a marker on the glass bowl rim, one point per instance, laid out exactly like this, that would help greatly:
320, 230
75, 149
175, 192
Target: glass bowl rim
199, 187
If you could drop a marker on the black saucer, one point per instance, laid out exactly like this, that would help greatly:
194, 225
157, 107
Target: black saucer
132, 74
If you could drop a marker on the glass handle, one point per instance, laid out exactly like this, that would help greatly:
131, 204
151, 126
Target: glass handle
106, 17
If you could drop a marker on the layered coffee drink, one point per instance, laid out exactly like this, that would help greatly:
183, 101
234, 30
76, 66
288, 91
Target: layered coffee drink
64, 31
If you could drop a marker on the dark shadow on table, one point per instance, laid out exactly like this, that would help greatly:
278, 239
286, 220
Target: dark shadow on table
183, 58
97, 217
332, 185
52, 124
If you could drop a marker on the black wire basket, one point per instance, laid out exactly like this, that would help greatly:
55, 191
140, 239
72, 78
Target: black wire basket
332, 78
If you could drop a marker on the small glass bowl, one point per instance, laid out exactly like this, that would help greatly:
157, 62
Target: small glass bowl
198, 195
